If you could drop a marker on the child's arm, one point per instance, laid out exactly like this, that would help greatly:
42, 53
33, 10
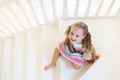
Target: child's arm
65, 41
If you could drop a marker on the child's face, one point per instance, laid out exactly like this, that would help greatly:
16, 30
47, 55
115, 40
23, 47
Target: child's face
76, 35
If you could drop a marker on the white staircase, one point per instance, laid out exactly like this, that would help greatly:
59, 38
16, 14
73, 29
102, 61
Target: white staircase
29, 33
23, 56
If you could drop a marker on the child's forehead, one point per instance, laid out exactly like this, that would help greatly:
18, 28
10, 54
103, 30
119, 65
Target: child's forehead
76, 30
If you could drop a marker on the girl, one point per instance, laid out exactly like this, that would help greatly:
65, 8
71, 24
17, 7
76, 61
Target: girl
76, 46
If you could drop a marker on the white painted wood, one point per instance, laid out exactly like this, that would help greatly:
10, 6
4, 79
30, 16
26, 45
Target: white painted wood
82, 7
118, 12
26, 8
105, 7
1, 56
2, 34
88, 8
110, 7
18, 59
4, 20
95, 4
31, 55
48, 9
54, 9
59, 8
7, 58
76, 8
7, 11
115, 8
65, 9
38, 11
99, 8
71, 6
16, 9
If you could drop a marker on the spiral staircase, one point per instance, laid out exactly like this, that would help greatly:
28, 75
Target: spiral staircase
30, 30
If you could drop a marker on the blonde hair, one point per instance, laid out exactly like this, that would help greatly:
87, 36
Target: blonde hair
87, 40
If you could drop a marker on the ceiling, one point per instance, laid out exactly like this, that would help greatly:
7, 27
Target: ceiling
19, 15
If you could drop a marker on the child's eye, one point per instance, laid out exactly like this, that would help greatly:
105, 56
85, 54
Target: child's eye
77, 35
71, 33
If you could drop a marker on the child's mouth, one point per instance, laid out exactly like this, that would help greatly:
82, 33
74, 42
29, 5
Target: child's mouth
73, 40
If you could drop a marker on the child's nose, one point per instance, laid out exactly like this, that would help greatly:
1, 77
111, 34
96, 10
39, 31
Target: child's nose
73, 37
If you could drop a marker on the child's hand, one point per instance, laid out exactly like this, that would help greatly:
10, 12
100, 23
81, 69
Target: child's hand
91, 61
